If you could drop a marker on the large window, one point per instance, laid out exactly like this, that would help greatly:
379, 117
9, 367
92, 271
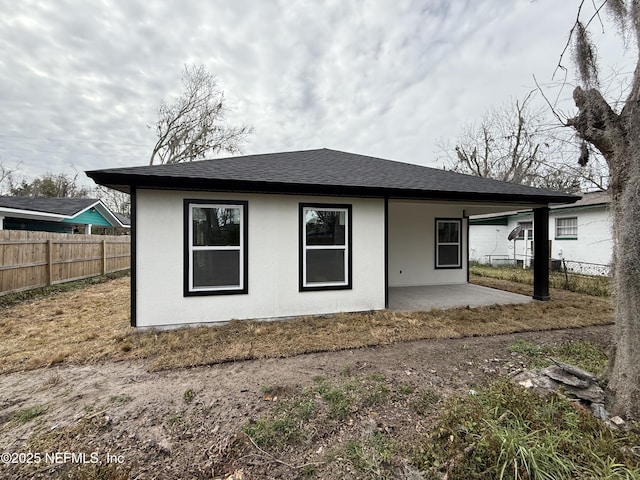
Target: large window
325, 246
567, 228
215, 247
448, 243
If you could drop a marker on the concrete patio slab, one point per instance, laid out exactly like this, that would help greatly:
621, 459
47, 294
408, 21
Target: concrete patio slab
450, 296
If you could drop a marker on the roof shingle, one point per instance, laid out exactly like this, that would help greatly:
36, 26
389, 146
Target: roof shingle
57, 206
322, 171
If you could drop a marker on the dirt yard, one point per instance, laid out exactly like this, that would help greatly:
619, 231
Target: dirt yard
188, 423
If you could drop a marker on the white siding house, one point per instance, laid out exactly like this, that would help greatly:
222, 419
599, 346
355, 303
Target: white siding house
579, 233
300, 233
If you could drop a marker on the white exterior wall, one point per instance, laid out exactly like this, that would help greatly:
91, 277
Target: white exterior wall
595, 241
593, 245
488, 240
412, 244
273, 253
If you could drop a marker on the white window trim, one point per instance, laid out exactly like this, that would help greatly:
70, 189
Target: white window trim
457, 244
240, 248
306, 247
559, 236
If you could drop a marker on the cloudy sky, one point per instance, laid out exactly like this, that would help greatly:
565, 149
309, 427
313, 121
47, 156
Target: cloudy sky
81, 80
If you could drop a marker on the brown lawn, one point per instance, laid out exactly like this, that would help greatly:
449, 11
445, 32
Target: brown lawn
92, 325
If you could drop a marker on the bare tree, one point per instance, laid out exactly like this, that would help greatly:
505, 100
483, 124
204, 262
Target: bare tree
193, 126
614, 131
6, 175
513, 143
116, 200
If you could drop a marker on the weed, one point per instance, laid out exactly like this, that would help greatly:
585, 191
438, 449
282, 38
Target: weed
506, 431
377, 395
377, 377
310, 470
584, 354
426, 402
406, 389
339, 403
175, 419
188, 396
274, 433
526, 348
304, 409
371, 458
119, 398
27, 414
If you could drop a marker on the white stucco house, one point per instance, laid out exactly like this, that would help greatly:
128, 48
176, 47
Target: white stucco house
579, 233
298, 233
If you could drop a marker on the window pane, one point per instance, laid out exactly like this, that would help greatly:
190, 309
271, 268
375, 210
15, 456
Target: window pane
448, 255
567, 227
448, 232
528, 226
325, 227
216, 268
216, 226
325, 266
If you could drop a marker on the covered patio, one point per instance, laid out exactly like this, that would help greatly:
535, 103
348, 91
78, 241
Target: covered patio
450, 296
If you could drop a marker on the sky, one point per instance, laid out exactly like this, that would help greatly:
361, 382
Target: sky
81, 80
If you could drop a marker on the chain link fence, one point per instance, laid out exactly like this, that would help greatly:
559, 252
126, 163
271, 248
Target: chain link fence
582, 277
580, 268
556, 265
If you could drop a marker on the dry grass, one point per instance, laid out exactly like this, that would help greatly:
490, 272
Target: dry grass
92, 325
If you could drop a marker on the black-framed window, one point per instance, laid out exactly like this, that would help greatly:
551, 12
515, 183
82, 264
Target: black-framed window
325, 246
448, 243
216, 245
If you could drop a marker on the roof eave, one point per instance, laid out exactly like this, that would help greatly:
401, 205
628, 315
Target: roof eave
124, 182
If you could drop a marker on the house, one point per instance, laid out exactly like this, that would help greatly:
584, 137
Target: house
306, 232
580, 235
61, 215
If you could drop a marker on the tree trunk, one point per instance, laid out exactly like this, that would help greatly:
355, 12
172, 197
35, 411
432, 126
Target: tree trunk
624, 380
617, 137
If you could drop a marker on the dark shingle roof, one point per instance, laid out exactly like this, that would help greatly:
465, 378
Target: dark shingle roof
56, 206
124, 220
324, 172
589, 199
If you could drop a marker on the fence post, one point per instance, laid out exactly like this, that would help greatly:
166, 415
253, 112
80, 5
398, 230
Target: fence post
104, 256
49, 262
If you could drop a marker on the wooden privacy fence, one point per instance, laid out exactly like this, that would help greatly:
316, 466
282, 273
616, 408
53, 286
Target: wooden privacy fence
36, 259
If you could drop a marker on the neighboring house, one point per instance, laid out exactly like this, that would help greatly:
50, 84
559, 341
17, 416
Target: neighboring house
579, 233
61, 215
298, 233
